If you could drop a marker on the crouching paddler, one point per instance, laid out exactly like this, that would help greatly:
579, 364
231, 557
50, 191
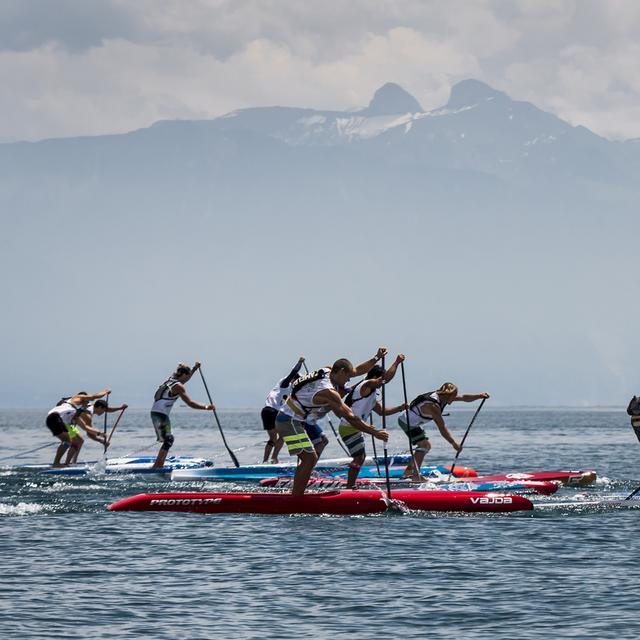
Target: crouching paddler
364, 398
312, 397
63, 416
425, 408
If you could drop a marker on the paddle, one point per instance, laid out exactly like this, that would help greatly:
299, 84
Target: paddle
224, 440
114, 426
338, 438
104, 428
375, 452
466, 433
384, 428
406, 413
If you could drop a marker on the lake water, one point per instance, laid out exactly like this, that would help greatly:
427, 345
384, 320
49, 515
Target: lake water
70, 568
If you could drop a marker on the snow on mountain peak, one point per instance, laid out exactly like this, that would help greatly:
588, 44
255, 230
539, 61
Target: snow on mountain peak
471, 92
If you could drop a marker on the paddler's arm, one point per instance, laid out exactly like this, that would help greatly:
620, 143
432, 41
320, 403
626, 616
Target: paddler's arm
195, 367
391, 371
289, 379
91, 396
84, 422
333, 400
365, 367
390, 410
192, 403
122, 407
470, 397
433, 412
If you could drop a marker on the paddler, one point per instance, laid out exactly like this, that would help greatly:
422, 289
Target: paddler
164, 399
64, 414
363, 398
312, 397
274, 401
425, 408
84, 421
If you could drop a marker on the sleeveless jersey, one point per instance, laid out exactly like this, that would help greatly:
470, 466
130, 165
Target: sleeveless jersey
163, 400
361, 405
277, 396
300, 404
415, 417
67, 412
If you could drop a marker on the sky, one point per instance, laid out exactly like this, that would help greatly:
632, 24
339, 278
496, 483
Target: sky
536, 307
85, 67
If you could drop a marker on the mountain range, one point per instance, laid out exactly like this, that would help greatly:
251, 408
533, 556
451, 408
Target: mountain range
475, 236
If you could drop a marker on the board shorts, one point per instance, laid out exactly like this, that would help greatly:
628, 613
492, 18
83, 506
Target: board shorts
268, 415
161, 424
415, 433
56, 424
353, 440
315, 433
294, 435
73, 430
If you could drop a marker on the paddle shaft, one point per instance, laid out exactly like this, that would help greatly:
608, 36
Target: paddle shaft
104, 427
406, 413
464, 437
114, 426
375, 452
632, 494
215, 415
384, 428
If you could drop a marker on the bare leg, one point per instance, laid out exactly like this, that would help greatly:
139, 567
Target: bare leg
421, 450
354, 470
303, 472
74, 450
65, 441
267, 449
276, 447
162, 456
319, 447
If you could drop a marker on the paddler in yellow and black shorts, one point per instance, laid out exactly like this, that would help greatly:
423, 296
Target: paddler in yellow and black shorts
312, 397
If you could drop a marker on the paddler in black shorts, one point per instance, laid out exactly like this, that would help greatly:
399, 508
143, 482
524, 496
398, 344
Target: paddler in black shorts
425, 408
273, 403
66, 413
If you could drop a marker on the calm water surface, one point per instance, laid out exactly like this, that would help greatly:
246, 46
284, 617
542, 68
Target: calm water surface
72, 569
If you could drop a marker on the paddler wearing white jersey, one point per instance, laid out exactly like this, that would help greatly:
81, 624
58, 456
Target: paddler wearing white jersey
165, 397
65, 413
364, 398
424, 408
84, 421
312, 397
273, 403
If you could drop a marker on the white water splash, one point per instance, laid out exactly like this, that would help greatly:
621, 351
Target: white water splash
20, 509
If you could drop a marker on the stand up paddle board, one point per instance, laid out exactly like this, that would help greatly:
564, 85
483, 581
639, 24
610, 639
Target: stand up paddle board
128, 464
334, 502
530, 486
326, 468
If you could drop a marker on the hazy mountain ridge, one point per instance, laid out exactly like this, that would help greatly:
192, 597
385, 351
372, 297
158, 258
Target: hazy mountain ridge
496, 240
479, 130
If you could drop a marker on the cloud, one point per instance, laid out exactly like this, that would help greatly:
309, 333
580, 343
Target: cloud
79, 66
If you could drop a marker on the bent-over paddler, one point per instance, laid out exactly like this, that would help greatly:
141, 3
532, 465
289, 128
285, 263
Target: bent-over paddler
425, 408
312, 397
363, 399
65, 414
